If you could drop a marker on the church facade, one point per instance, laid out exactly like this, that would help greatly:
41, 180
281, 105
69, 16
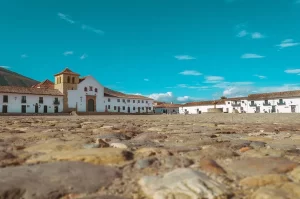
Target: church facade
70, 92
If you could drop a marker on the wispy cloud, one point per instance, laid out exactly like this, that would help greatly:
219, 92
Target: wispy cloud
257, 35
146, 80
89, 28
68, 53
293, 71
260, 76
4, 66
242, 33
65, 17
83, 26
190, 72
251, 56
199, 87
288, 43
83, 56
297, 2
213, 79
184, 57
24, 56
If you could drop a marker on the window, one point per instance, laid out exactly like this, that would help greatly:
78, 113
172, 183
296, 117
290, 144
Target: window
280, 101
91, 88
134, 108
108, 99
5, 98
228, 102
23, 100
123, 100
266, 101
133, 101
146, 101
96, 90
115, 108
108, 106
59, 79
149, 108
41, 100
68, 79
73, 80
85, 89
142, 101
138, 101
142, 108
118, 100
243, 102
252, 102
128, 100
123, 108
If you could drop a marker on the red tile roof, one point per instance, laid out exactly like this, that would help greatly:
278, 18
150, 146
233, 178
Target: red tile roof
165, 105
236, 98
274, 95
205, 103
67, 72
45, 84
28, 90
111, 93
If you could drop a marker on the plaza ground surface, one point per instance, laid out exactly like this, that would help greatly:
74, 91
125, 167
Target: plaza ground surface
209, 156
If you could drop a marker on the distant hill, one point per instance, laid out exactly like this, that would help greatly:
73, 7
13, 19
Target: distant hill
10, 78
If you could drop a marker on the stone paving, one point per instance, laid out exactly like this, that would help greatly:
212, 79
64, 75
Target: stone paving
209, 156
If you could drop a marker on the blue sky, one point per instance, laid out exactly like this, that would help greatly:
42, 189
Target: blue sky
170, 50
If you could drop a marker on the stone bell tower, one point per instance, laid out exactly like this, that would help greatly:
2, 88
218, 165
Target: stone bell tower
64, 81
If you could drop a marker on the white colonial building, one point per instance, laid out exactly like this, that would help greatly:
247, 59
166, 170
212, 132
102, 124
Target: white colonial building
236, 105
165, 108
201, 107
69, 93
30, 100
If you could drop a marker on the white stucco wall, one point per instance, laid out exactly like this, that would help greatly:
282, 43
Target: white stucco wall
203, 109
278, 108
79, 96
133, 104
14, 104
229, 106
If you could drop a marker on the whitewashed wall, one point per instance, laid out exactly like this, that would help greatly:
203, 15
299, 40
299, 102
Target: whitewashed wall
14, 104
278, 108
79, 96
132, 105
203, 109
229, 107
169, 110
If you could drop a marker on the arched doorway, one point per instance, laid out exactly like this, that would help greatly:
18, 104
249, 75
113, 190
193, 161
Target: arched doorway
91, 105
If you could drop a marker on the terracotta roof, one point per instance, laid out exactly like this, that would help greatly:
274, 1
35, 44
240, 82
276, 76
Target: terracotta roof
205, 103
67, 71
274, 95
28, 90
165, 105
111, 93
236, 98
45, 84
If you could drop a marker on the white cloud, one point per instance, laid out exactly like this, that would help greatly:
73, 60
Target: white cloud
89, 28
24, 56
190, 72
66, 18
169, 97
297, 2
288, 43
191, 87
4, 67
184, 57
251, 56
68, 53
257, 35
260, 76
146, 80
242, 33
83, 56
292, 71
213, 79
